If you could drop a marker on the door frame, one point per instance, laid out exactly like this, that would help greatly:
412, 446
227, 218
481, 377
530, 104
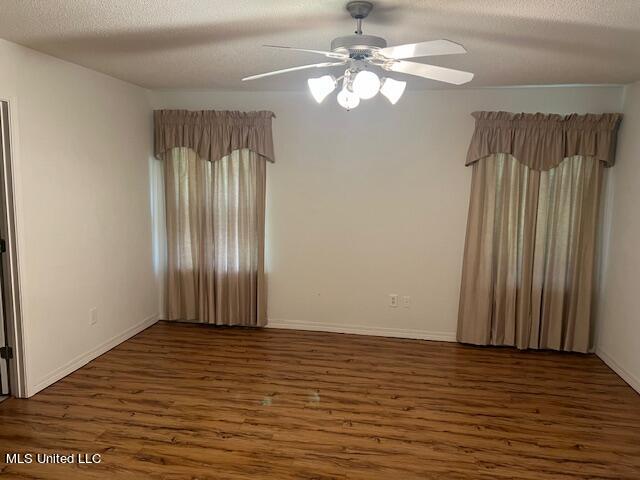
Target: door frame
11, 263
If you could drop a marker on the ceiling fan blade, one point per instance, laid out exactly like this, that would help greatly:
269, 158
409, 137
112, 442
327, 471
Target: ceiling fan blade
320, 52
293, 69
432, 72
423, 49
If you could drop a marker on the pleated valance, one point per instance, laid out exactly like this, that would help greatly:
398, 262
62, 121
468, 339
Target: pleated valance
542, 141
213, 134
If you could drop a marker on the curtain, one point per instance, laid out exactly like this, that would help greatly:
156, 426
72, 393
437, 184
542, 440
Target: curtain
215, 237
542, 141
213, 134
530, 258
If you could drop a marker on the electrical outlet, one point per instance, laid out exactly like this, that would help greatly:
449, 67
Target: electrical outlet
406, 301
93, 316
393, 300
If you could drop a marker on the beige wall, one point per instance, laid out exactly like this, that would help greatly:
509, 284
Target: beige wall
619, 328
374, 201
82, 199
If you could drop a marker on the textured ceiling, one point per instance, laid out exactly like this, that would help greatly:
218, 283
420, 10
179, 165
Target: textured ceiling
214, 43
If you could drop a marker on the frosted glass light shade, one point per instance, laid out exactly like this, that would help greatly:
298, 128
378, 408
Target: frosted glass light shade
321, 87
392, 89
366, 84
348, 99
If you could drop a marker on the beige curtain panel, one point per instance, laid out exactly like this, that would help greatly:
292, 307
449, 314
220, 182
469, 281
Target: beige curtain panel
214, 192
213, 134
215, 238
529, 264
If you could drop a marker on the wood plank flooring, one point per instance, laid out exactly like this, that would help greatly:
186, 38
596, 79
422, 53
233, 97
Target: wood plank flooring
185, 401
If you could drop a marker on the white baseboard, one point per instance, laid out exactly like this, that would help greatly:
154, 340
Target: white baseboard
362, 330
86, 357
631, 379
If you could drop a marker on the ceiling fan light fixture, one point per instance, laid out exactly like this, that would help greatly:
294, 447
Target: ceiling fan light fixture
366, 84
392, 89
348, 99
359, 52
320, 87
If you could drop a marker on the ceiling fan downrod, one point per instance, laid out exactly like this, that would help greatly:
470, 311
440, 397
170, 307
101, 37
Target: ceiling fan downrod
358, 46
359, 11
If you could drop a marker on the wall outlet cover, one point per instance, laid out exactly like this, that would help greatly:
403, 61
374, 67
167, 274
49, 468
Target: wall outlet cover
393, 300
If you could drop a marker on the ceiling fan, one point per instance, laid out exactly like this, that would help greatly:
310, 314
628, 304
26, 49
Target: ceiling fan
362, 52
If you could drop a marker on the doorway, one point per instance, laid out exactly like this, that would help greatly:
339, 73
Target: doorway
11, 377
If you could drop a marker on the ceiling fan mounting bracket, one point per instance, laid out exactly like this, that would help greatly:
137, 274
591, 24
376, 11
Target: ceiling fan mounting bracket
359, 9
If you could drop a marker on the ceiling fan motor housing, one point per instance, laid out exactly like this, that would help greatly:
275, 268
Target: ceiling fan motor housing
358, 46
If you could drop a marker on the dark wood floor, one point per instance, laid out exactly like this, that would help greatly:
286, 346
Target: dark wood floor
184, 401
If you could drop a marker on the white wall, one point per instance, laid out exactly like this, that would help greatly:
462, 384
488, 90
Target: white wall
374, 201
619, 326
82, 199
